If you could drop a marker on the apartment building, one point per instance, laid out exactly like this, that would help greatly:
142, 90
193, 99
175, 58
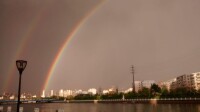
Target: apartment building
191, 81
167, 84
195, 80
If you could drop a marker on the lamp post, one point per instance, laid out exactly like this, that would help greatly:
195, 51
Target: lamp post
21, 65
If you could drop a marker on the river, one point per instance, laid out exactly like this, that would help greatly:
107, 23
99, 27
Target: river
105, 107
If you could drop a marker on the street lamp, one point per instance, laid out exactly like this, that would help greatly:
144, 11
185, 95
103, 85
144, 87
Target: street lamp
21, 65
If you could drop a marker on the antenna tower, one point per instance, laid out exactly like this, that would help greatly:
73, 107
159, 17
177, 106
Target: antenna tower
133, 83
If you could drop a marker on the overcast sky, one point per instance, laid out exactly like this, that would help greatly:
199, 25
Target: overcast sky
159, 37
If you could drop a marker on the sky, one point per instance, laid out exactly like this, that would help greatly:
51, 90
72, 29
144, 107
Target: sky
93, 43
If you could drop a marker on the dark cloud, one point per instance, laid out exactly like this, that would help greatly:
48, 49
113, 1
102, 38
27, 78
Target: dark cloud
161, 38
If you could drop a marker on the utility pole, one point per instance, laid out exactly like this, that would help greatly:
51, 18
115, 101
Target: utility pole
133, 84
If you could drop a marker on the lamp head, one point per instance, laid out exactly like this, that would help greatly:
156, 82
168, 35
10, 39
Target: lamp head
21, 65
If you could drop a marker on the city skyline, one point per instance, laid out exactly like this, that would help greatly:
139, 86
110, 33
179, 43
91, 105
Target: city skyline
76, 44
169, 84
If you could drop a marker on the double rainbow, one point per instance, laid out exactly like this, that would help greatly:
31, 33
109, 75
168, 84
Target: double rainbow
24, 40
61, 50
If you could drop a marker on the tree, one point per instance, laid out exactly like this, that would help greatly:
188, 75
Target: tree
144, 93
181, 92
85, 97
130, 95
198, 93
164, 93
155, 90
112, 96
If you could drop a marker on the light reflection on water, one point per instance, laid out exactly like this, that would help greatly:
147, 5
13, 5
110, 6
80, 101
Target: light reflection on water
90, 107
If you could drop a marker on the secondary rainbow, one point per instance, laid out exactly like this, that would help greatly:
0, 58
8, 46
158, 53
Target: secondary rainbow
64, 45
24, 40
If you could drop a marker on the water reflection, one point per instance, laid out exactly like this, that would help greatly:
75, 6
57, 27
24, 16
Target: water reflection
90, 107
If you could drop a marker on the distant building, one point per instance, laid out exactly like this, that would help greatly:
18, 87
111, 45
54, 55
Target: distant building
183, 81
173, 85
23, 96
138, 86
12, 97
43, 94
111, 90
68, 93
147, 83
195, 80
84, 92
167, 84
100, 91
61, 93
51, 93
128, 90
105, 91
190, 81
1, 97
92, 91
80, 92
34, 96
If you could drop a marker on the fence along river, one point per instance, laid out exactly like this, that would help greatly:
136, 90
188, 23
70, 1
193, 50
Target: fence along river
107, 106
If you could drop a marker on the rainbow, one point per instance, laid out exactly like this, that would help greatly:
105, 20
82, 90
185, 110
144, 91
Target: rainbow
24, 40
65, 43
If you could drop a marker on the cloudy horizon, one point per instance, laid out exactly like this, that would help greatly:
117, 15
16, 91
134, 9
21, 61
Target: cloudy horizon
160, 38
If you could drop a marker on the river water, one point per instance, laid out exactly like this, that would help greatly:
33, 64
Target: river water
91, 107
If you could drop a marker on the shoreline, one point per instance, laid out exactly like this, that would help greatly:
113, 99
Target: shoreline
138, 101
125, 101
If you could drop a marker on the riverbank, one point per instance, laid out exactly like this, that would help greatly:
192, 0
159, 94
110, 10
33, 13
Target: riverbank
150, 101
133, 101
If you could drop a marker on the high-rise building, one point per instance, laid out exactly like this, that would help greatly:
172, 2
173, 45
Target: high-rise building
51, 93
189, 81
195, 80
43, 94
61, 93
138, 86
183, 81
